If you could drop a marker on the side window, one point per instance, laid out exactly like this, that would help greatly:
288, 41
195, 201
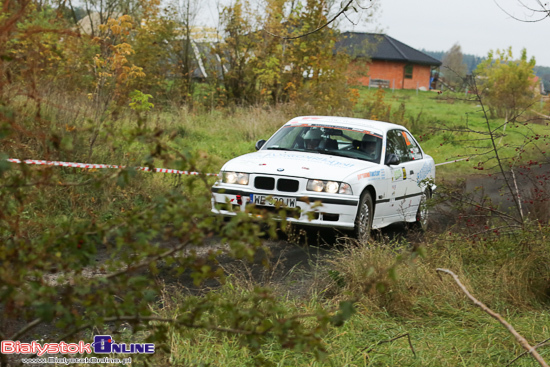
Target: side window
286, 137
414, 150
397, 145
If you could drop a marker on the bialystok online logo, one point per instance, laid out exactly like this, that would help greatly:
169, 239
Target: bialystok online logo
103, 344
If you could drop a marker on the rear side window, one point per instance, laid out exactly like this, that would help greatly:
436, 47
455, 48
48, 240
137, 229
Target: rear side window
401, 143
414, 150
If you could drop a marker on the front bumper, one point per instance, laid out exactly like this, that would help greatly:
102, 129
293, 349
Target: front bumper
336, 211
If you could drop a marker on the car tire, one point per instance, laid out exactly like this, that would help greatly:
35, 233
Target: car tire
422, 214
363, 220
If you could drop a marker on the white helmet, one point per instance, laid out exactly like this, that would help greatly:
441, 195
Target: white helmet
313, 134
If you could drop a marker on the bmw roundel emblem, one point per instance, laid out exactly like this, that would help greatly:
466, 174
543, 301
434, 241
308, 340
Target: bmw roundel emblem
280, 169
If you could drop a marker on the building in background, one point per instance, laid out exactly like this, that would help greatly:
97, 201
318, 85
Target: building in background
391, 64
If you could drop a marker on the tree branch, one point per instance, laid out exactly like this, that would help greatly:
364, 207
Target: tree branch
478, 205
495, 149
388, 341
541, 344
31, 325
544, 11
344, 9
540, 114
521, 340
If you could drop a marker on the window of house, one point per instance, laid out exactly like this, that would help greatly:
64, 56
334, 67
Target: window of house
408, 71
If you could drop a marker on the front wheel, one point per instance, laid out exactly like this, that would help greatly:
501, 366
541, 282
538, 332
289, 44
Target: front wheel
422, 213
363, 221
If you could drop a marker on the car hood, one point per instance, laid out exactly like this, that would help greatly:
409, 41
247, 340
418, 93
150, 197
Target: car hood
297, 164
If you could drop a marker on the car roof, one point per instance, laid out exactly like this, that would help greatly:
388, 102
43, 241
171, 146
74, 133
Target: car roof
347, 121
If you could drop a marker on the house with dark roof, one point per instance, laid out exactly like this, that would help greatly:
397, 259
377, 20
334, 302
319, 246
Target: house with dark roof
392, 64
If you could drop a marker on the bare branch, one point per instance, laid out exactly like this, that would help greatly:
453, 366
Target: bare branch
541, 344
147, 262
546, 12
495, 149
541, 115
521, 340
388, 341
344, 9
479, 206
31, 325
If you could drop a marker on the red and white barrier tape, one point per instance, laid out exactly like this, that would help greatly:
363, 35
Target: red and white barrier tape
99, 166
456, 160
146, 169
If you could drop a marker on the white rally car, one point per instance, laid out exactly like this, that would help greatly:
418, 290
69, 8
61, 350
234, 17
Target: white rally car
337, 172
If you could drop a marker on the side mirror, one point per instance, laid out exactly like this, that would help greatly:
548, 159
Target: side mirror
259, 144
392, 160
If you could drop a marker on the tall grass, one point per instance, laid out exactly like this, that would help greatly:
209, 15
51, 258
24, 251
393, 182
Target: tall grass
508, 273
397, 291
203, 140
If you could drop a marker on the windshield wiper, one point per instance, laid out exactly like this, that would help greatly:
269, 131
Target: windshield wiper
281, 148
334, 152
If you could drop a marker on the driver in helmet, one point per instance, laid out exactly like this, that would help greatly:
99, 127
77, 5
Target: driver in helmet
312, 139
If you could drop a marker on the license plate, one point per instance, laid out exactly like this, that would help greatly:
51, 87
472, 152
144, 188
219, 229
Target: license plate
268, 200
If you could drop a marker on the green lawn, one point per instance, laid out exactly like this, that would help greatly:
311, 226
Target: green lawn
434, 120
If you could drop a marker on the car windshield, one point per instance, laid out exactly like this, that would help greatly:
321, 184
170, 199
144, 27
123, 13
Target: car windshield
351, 143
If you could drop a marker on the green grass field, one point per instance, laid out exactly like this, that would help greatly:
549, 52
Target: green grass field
432, 118
439, 122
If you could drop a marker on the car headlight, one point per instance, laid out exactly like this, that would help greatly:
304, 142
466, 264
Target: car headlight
345, 189
332, 187
231, 177
315, 185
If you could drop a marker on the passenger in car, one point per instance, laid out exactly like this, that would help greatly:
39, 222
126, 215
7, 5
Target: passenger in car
368, 146
329, 144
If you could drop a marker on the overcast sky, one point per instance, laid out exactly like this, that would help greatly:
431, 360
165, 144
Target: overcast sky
477, 25
436, 25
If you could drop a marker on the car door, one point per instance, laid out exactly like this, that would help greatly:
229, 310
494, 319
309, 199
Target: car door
403, 191
413, 165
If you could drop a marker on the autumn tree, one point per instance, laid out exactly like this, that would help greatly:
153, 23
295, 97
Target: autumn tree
241, 34
269, 62
113, 73
318, 74
98, 12
184, 48
454, 66
507, 84
154, 41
